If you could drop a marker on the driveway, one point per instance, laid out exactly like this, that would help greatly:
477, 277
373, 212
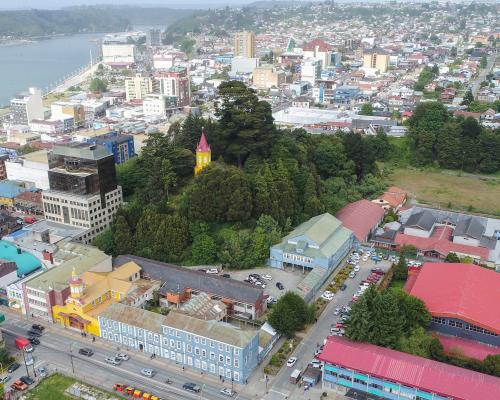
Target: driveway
281, 388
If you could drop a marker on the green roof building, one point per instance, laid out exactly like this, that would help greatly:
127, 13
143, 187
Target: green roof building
322, 242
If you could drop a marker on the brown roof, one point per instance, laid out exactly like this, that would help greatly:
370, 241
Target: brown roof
34, 197
394, 196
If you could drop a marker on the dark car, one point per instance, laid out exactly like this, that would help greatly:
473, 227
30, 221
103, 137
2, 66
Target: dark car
226, 276
34, 340
26, 379
192, 387
279, 285
38, 327
13, 367
86, 352
34, 332
343, 286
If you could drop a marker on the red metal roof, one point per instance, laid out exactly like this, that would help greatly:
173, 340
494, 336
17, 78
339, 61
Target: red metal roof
440, 242
469, 348
322, 45
463, 291
203, 146
410, 370
361, 217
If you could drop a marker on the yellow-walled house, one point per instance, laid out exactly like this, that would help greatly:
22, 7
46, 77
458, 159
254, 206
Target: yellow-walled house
93, 292
203, 154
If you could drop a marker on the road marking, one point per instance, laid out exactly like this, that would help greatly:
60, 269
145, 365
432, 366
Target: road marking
280, 393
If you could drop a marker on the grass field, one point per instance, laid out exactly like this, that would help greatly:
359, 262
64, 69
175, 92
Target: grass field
51, 388
439, 189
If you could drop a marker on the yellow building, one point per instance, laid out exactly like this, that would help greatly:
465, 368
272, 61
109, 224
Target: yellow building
93, 292
203, 154
244, 44
266, 77
376, 59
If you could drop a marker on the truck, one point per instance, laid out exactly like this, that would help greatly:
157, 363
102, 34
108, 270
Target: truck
295, 376
23, 344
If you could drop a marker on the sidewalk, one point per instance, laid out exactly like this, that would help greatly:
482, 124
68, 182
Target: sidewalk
113, 348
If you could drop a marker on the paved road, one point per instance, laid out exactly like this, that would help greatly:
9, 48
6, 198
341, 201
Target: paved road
281, 388
56, 349
483, 73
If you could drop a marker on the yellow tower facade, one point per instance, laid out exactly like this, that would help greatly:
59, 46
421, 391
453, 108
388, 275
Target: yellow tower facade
203, 154
76, 285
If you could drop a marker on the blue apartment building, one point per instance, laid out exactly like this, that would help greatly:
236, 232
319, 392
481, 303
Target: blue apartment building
121, 146
345, 94
211, 346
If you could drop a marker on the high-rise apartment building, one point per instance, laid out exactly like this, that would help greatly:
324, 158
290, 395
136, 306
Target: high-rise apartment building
153, 37
27, 106
83, 188
376, 59
175, 83
244, 44
137, 87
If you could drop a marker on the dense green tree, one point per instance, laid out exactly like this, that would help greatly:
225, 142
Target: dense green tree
98, 85
380, 145
290, 314
123, 238
360, 324
452, 258
360, 152
401, 269
105, 242
419, 343
330, 158
413, 311
245, 124
386, 310
204, 250
492, 364
449, 147
366, 109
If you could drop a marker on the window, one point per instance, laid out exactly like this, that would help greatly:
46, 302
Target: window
178, 333
228, 348
189, 337
228, 360
203, 340
172, 343
236, 363
236, 351
236, 376
172, 355
221, 358
190, 361
189, 348
212, 344
221, 347
165, 330
178, 345
212, 368
204, 365
197, 363
228, 373
212, 355
196, 339
170, 331
197, 351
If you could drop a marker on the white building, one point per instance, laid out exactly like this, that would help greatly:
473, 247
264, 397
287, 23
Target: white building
243, 65
138, 87
50, 127
155, 104
310, 71
119, 53
27, 106
32, 168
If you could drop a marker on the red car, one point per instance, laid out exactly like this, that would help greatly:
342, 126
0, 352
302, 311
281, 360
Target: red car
339, 325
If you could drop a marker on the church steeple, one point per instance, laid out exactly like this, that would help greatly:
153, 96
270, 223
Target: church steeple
203, 153
76, 285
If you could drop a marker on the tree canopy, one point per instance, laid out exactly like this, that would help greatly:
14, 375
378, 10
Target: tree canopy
290, 314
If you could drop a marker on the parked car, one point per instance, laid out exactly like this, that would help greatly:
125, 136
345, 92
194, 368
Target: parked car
213, 271
343, 286
148, 372
228, 392
27, 380
267, 277
280, 286
226, 276
13, 367
356, 268
192, 387
291, 361
34, 340
327, 295
316, 363
42, 372
38, 327
122, 356
352, 275
4, 379
34, 332
271, 300
19, 385
112, 360
86, 352
255, 276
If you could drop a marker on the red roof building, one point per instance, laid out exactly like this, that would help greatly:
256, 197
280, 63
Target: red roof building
409, 371
317, 45
465, 292
362, 217
393, 197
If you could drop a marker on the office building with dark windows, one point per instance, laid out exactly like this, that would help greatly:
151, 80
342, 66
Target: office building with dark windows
83, 188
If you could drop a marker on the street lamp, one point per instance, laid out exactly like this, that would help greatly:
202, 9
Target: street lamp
25, 364
71, 357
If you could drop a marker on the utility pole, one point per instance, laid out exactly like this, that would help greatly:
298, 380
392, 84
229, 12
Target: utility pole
71, 358
25, 365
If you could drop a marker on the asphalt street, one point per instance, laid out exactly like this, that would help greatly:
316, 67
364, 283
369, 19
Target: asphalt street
280, 387
59, 352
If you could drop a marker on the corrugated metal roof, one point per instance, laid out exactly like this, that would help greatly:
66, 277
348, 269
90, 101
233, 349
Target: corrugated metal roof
410, 370
463, 291
361, 217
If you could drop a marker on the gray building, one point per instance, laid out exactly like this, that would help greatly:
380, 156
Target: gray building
213, 347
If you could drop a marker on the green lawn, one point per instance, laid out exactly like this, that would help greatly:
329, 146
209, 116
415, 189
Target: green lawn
52, 388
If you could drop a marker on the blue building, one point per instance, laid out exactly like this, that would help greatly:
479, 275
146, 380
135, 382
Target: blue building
121, 146
210, 346
321, 242
392, 375
345, 94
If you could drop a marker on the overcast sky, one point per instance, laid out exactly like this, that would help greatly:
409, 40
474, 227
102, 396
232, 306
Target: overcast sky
20, 4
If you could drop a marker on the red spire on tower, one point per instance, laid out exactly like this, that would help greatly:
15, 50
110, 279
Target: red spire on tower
203, 146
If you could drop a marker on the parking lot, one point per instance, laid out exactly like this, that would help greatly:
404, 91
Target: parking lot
288, 279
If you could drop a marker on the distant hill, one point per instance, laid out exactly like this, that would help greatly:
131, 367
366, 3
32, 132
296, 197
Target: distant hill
33, 23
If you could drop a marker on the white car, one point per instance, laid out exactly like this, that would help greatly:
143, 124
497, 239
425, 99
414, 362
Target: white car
122, 356
327, 296
291, 361
337, 311
271, 300
228, 392
212, 271
316, 363
148, 372
365, 258
356, 268
267, 277
352, 275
